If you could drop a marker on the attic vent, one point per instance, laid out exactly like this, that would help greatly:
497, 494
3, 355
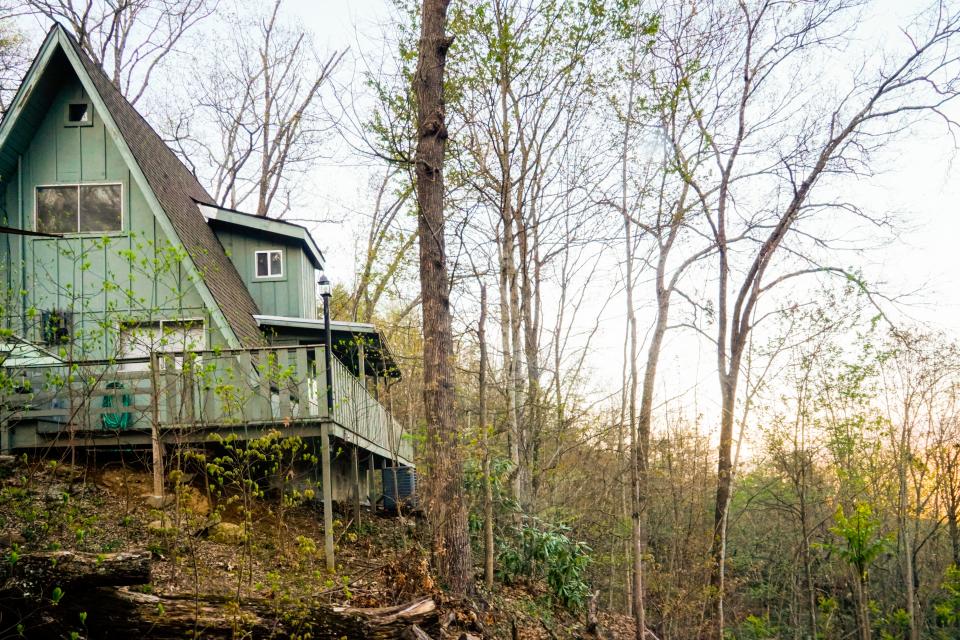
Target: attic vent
79, 114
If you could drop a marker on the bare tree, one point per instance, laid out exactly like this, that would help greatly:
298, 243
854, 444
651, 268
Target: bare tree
526, 95
261, 98
13, 60
753, 137
130, 39
384, 249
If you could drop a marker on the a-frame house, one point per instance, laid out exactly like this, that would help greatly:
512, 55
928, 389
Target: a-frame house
137, 312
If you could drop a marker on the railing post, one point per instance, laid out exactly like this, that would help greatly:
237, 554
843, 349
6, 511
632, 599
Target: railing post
327, 494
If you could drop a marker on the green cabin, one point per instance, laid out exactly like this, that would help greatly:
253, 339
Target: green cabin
135, 309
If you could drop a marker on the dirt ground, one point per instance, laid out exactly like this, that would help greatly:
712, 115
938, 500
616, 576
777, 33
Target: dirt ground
201, 545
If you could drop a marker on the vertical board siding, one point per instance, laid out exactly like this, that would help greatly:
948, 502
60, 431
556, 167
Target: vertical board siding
284, 296
79, 272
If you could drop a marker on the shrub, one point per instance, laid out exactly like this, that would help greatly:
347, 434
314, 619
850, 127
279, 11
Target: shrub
543, 550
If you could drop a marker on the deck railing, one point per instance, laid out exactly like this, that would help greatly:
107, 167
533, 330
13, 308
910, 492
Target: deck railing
200, 390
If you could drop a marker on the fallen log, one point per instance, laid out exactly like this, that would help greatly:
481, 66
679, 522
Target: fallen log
49, 592
35, 575
122, 613
413, 632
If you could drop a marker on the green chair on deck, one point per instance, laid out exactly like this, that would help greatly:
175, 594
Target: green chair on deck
119, 421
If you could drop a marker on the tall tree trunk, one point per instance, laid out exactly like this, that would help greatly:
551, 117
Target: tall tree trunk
637, 446
509, 312
485, 431
635, 449
509, 301
718, 547
506, 268
529, 284
445, 504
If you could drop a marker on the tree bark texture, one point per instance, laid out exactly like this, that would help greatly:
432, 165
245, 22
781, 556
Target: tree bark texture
445, 505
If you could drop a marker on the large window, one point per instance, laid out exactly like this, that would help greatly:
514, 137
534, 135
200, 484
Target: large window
269, 264
84, 208
138, 340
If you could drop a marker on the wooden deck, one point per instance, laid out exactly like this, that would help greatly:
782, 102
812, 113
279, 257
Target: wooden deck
191, 395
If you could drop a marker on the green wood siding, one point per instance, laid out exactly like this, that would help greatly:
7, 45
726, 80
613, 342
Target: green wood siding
292, 295
128, 274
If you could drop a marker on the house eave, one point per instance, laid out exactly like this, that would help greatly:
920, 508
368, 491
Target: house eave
388, 362
282, 228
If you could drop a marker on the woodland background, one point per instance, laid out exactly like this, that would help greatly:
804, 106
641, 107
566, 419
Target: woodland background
766, 444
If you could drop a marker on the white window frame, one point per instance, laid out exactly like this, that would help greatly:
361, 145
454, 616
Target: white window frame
269, 276
102, 183
67, 122
160, 324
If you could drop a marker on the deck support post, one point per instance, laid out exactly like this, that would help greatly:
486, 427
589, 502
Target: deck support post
355, 455
327, 495
324, 285
371, 483
155, 443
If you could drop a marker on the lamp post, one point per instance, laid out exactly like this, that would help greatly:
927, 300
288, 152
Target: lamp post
324, 286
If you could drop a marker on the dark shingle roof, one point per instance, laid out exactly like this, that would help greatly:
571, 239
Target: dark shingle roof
178, 192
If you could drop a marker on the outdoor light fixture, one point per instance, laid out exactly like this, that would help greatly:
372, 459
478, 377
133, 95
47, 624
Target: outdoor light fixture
324, 284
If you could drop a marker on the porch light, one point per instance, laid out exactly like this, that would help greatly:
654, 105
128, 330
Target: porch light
324, 284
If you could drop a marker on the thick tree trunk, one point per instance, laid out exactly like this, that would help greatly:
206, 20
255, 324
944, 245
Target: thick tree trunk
445, 505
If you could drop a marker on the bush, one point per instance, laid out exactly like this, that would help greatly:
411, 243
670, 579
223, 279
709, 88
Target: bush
543, 550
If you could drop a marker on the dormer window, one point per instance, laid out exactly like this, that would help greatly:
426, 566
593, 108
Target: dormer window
80, 208
269, 264
79, 114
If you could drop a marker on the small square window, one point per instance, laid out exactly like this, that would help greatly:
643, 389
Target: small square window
79, 114
269, 264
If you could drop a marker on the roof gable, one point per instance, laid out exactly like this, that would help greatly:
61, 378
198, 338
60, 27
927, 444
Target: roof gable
262, 226
174, 189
